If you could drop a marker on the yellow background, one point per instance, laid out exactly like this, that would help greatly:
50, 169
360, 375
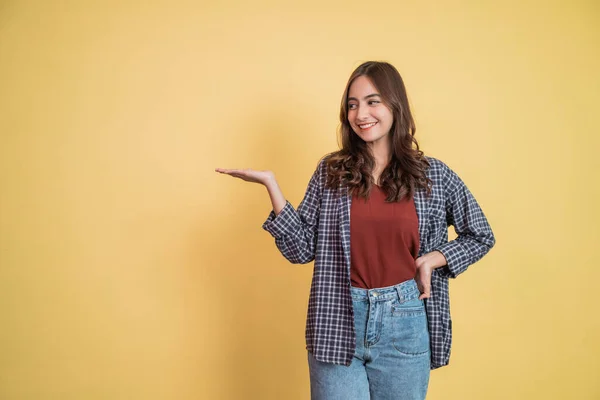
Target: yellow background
129, 269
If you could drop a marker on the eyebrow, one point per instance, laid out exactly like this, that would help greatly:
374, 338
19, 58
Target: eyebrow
366, 97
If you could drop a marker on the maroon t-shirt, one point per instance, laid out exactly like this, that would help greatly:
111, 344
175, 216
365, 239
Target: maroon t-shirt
384, 240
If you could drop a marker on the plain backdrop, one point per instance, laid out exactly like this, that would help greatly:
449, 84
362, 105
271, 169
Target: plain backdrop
129, 269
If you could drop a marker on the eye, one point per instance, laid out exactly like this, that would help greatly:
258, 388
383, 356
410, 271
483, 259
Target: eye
351, 106
372, 102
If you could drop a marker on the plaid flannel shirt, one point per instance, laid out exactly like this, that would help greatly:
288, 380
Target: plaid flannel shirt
320, 230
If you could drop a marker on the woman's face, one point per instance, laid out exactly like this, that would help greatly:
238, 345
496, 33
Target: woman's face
369, 118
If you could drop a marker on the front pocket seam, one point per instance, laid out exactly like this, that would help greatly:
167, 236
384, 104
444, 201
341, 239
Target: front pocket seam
409, 354
409, 312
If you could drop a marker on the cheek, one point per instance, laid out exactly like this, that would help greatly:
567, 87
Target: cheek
387, 117
350, 120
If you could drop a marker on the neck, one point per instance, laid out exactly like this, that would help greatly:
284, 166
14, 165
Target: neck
381, 151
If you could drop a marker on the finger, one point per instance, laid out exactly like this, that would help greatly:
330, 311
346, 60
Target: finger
233, 172
426, 293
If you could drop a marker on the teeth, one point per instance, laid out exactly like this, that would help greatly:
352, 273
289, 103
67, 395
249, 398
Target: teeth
367, 125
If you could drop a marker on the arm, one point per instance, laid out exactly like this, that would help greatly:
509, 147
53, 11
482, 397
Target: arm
277, 198
295, 232
475, 237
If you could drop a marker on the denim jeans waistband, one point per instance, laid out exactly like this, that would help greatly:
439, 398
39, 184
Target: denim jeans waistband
403, 291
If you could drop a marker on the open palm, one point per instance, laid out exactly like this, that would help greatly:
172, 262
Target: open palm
248, 174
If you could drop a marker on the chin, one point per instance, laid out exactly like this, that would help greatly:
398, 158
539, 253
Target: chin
370, 138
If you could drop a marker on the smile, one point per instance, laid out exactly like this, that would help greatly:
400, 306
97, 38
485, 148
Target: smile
367, 126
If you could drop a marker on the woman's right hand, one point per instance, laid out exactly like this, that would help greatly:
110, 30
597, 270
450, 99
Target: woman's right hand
266, 178
249, 175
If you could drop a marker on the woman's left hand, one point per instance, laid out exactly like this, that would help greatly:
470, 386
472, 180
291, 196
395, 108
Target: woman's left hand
425, 266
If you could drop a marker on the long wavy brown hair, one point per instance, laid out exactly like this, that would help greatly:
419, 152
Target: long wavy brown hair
353, 164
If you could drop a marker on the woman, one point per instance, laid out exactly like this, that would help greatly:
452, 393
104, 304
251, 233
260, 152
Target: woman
375, 220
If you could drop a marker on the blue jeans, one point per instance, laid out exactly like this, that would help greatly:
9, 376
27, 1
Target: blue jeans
392, 356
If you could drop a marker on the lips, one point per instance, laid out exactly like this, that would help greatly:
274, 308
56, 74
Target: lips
366, 126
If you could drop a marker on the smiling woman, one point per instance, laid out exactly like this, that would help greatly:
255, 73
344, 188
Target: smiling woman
368, 117
387, 153
375, 220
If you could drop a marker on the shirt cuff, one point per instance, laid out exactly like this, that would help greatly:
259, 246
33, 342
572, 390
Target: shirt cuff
452, 255
283, 224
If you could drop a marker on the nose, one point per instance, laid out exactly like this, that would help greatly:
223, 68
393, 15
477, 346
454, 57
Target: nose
362, 113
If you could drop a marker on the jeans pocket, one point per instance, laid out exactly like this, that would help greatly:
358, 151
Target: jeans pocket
410, 335
410, 308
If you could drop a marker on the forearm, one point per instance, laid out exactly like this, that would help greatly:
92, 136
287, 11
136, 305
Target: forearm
295, 235
464, 251
276, 195
295, 231
433, 260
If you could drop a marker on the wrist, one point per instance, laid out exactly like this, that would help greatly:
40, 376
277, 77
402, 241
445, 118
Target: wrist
270, 181
438, 259
432, 260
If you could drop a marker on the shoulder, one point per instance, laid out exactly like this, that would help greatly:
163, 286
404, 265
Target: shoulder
323, 160
443, 176
323, 163
320, 173
437, 168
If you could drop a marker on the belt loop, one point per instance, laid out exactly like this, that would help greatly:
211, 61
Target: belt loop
400, 296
